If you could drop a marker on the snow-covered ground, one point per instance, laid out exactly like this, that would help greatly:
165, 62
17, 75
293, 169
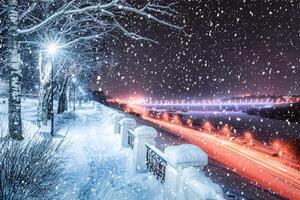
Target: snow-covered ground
29, 114
96, 166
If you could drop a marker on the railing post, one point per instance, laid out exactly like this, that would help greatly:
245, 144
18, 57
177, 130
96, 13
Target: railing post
110, 114
181, 157
143, 135
126, 124
195, 185
116, 119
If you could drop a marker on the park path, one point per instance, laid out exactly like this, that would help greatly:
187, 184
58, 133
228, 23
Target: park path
96, 166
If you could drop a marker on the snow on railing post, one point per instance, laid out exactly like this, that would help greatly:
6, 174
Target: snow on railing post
196, 185
183, 176
142, 135
125, 125
116, 119
109, 115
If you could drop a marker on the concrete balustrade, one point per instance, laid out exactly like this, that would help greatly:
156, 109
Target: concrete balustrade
178, 168
143, 135
197, 186
126, 124
116, 119
110, 115
184, 175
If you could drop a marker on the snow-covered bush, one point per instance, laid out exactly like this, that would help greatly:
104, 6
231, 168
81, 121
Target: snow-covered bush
30, 169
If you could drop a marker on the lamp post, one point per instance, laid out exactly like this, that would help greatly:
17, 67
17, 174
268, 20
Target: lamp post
52, 50
74, 92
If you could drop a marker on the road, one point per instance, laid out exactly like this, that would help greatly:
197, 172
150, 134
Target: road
234, 185
266, 171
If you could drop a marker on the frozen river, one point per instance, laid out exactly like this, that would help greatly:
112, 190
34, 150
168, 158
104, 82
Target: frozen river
263, 129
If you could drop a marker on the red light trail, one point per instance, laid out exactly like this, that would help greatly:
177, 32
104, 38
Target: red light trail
267, 171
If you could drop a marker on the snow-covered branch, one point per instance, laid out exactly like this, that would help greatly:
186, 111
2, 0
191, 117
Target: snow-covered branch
65, 11
46, 21
149, 16
132, 35
110, 9
90, 37
27, 11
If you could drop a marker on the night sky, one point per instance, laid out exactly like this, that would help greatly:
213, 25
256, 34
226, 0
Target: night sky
227, 48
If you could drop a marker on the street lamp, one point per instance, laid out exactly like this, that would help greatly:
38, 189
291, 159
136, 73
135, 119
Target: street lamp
52, 50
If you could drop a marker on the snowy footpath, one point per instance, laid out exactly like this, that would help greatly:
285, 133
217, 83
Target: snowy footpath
97, 166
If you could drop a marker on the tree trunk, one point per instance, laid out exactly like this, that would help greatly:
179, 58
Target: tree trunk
14, 106
62, 98
41, 91
45, 96
46, 104
45, 90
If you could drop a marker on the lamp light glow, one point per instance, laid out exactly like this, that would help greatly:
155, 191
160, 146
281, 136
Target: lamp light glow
52, 49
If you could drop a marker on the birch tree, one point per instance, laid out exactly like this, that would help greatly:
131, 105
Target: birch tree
86, 20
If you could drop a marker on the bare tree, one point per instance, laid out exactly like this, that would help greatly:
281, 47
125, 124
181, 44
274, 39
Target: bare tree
73, 22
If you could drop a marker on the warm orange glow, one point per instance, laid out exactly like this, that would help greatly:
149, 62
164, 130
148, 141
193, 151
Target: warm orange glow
138, 99
226, 131
276, 145
247, 94
176, 120
133, 100
165, 117
127, 108
249, 163
207, 126
248, 137
190, 122
267, 171
158, 115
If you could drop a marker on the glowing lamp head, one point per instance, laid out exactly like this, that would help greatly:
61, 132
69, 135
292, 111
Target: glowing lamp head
176, 119
207, 126
226, 130
165, 116
276, 145
248, 136
52, 49
74, 80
